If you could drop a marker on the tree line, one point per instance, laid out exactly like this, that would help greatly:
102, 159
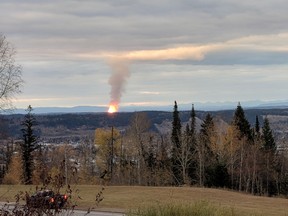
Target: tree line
240, 156
201, 153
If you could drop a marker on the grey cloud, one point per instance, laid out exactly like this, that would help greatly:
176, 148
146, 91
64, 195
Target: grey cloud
51, 38
141, 24
234, 57
206, 83
74, 76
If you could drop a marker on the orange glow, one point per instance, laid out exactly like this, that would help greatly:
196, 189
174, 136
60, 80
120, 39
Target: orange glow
112, 108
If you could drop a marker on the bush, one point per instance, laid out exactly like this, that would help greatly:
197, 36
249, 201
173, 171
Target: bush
201, 208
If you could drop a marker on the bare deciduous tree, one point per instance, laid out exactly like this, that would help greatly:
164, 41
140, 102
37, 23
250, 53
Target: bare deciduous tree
139, 135
10, 74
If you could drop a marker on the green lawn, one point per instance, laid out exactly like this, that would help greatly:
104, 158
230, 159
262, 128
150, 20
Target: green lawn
123, 198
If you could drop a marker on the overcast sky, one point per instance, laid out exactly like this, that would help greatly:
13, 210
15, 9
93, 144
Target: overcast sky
162, 50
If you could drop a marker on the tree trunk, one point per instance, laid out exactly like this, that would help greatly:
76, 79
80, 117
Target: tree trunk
241, 167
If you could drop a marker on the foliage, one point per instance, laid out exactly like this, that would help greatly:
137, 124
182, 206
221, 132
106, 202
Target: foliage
176, 138
192, 142
176, 127
28, 146
206, 157
268, 139
243, 125
14, 173
257, 127
107, 143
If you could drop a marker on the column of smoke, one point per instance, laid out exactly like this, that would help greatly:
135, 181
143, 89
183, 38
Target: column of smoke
118, 79
193, 52
120, 69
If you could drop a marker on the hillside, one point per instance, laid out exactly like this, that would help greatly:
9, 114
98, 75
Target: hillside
75, 125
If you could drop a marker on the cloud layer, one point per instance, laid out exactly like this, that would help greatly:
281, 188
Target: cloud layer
183, 50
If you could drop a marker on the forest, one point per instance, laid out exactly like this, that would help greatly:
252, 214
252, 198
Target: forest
199, 152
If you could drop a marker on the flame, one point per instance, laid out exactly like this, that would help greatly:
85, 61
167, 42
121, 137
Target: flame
112, 108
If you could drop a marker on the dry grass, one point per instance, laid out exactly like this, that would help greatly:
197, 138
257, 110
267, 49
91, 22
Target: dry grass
125, 198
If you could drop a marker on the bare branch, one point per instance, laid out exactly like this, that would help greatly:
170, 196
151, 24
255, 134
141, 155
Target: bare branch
10, 74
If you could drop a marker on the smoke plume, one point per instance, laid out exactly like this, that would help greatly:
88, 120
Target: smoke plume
118, 79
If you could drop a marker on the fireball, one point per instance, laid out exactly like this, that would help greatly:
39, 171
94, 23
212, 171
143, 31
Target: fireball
112, 108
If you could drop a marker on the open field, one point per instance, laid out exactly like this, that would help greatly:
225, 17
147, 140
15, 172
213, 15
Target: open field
121, 198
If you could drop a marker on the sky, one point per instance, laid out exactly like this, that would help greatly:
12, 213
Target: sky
148, 53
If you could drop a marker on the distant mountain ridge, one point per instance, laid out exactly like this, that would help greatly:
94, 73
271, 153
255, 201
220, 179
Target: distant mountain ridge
58, 110
208, 106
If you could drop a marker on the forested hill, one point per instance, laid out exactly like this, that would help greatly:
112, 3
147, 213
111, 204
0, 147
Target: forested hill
85, 123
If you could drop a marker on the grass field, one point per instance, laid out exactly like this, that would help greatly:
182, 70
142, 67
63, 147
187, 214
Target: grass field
123, 198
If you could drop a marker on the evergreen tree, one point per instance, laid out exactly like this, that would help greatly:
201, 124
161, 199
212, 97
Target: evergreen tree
268, 139
240, 121
257, 125
207, 125
214, 170
256, 130
269, 148
193, 121
192, 146
176, 146
28, 146
206, 158
176, 127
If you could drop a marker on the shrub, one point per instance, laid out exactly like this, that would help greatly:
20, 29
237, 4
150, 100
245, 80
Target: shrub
201, 208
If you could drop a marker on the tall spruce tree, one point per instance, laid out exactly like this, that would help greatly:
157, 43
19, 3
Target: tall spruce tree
240, 121
269, 149
176, 138
205, 154
193, 121
192, 146
207, 125
214, 169
268, 139
257, 127
29, 145
176, 127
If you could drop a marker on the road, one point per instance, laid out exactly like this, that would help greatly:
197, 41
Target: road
10, 206
94, 213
